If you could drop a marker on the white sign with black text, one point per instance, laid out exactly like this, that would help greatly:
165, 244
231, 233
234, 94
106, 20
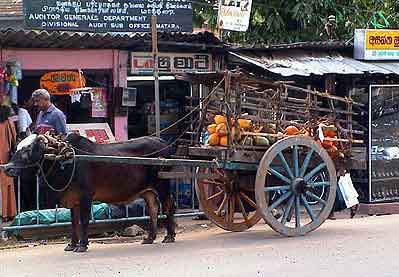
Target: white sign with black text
234, 15
171, 62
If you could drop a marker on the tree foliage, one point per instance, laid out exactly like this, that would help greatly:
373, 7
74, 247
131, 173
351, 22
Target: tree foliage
284, 21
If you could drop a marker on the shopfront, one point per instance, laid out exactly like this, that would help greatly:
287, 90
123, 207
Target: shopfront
175, 95
81, 82
382, 186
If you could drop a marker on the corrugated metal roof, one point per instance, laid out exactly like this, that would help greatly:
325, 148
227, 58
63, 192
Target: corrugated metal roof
60, 39
10, 8
305, 45
305, 63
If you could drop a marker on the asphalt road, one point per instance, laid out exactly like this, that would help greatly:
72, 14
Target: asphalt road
360, 247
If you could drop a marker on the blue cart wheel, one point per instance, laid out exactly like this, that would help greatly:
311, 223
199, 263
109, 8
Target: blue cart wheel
286, 181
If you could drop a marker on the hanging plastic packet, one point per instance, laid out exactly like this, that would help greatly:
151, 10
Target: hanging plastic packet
320, 133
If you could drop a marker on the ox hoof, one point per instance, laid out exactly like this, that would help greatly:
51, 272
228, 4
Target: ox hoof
70, 247
168, 239
81, 249
147, 241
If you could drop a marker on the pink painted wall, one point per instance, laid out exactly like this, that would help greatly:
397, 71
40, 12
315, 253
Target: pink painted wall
73, 59
48, 59
120, 80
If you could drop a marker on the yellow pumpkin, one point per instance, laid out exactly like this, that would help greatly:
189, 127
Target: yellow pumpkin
219, 119
244, 123
223, 141
221, 129
213, 140
212, 129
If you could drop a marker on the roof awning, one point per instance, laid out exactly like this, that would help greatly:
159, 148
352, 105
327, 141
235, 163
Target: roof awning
304, 63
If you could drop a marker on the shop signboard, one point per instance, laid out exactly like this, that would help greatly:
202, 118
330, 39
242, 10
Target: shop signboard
108, 16
97, 132
383, 143
171, 62
376, 44
62, 82
234, 15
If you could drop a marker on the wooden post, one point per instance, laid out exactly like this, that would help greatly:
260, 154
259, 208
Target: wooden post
154, 37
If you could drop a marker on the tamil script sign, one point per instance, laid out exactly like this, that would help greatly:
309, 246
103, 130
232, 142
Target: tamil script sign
171, 62
376, 44
108, 15
234, 15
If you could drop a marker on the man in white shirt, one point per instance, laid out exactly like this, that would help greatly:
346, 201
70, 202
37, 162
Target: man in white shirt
24, 121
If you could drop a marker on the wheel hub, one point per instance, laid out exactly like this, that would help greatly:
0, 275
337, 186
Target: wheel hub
299, 186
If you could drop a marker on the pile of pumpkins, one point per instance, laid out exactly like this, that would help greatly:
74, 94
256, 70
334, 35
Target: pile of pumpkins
329, 131
218, 132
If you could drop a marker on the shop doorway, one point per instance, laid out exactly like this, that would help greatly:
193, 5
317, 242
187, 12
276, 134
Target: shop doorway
173, 99
77, 112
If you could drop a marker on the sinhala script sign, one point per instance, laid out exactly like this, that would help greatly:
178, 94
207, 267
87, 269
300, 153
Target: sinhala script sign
171, 62
108, 15
376, 44
234, 15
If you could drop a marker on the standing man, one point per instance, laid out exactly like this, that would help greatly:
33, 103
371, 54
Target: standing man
53, 120
50, 117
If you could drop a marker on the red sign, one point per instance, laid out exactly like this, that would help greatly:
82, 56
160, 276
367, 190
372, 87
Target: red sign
97, 132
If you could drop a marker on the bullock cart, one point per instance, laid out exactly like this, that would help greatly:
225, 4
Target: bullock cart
283, 148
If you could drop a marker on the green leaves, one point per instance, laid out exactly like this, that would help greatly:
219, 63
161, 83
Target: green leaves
281, 21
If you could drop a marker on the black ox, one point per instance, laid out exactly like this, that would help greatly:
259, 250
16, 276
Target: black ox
106, 182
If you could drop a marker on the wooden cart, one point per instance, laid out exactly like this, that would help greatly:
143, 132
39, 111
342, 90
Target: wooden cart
291, 183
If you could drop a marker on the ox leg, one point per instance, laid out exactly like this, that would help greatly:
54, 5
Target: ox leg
85, 206
150, 199
168, 209
75, 229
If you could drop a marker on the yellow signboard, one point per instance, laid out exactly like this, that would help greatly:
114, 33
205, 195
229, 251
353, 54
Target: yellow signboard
382, 39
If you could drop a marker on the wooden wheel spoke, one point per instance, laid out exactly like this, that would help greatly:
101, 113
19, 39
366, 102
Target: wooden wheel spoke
242, 208
274, 188
295, 160
285, 164
297, 212
318, 184
279, 175
230, 210
219, 211
215, 195
213, 182
314, 172
279, 201
288, 210
248, 200
314, 196
305, 165
308, 208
